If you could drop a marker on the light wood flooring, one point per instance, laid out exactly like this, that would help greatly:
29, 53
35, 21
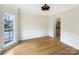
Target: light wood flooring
42, 46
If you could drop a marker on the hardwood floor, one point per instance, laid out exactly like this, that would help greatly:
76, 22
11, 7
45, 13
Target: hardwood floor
42, 46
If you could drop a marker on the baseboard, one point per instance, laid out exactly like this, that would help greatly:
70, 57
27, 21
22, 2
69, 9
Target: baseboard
34, 38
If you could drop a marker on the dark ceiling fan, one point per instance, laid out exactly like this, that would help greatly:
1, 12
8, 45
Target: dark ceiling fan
45, 7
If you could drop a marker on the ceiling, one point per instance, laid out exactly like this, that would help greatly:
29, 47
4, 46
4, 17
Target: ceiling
36, 8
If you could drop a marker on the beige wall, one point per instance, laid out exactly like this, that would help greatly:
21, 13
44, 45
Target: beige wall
52, 26
70, 27
33, 26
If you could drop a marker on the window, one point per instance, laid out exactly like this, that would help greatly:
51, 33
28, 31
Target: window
8, 28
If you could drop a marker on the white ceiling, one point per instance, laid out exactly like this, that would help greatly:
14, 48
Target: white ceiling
36, 8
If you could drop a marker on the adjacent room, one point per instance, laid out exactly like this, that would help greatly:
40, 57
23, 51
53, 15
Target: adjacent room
39, 29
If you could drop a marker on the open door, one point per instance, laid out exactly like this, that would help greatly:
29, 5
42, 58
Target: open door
58, 22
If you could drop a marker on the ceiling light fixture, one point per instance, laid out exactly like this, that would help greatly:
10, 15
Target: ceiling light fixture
45, 7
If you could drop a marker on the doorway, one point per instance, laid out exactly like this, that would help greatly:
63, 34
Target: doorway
58, 26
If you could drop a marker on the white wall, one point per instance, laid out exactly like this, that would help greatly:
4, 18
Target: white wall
70, 27
1, 31
52, 26
33, 26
